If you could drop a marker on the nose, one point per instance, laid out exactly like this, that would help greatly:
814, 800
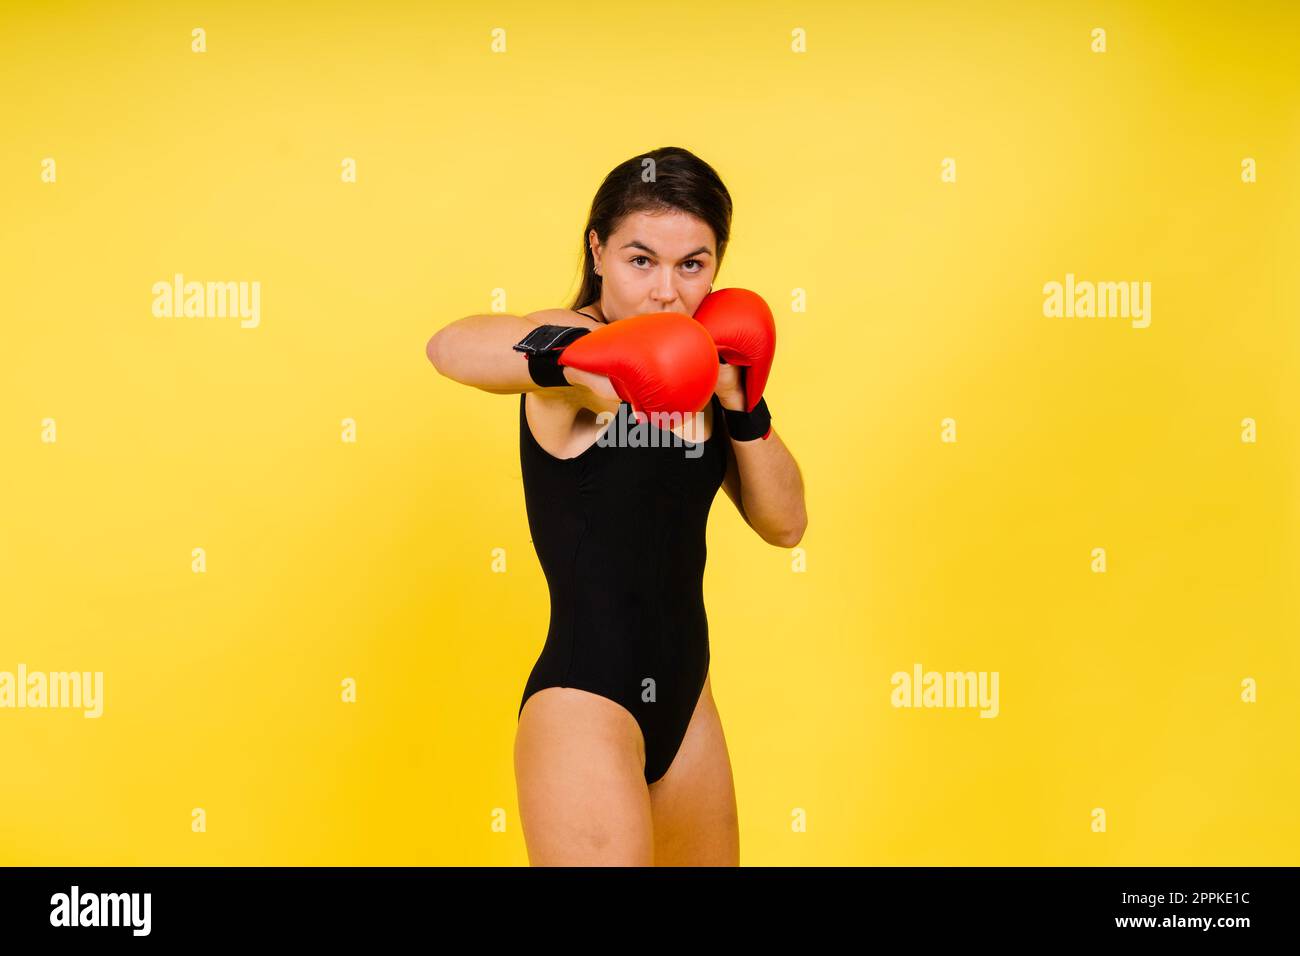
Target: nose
664, 292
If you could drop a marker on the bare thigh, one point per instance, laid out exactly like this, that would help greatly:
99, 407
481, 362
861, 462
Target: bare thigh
580, 774
694, 804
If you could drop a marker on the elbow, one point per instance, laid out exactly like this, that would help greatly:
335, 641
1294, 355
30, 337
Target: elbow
790, 537
433, 351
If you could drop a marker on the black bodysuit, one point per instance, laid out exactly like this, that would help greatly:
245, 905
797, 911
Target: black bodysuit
619, 532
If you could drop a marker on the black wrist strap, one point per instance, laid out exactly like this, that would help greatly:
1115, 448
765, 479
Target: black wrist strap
749, 426
542, 347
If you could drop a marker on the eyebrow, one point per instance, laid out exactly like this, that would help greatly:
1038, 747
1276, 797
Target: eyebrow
637, 244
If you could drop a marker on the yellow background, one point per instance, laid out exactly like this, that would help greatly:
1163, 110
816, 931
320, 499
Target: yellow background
372, 560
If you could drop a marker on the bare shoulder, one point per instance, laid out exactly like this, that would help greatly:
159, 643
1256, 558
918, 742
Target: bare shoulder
558, 421
549, 406
560, 418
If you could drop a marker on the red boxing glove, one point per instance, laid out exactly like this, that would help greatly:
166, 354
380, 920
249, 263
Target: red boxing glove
657, 362
741, 326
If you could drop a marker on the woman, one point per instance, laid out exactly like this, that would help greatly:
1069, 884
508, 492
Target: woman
619, 753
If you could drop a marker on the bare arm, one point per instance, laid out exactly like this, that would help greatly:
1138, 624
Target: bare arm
763, 481
477, 350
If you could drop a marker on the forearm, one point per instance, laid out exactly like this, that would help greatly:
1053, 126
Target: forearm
478, 349
771, 490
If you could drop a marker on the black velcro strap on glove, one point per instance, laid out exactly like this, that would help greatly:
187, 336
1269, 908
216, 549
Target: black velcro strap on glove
542, 347
748, 426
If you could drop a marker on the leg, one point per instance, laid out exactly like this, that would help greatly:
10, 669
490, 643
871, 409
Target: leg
694, 804
580, 773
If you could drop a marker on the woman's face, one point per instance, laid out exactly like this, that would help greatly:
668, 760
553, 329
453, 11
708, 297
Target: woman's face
662, 262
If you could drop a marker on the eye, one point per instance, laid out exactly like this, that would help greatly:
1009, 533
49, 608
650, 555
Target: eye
699, 265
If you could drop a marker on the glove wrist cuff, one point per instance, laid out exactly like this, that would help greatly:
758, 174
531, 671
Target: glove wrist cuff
542, 347
749, 426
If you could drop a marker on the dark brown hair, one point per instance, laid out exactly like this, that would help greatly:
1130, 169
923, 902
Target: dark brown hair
676, 180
